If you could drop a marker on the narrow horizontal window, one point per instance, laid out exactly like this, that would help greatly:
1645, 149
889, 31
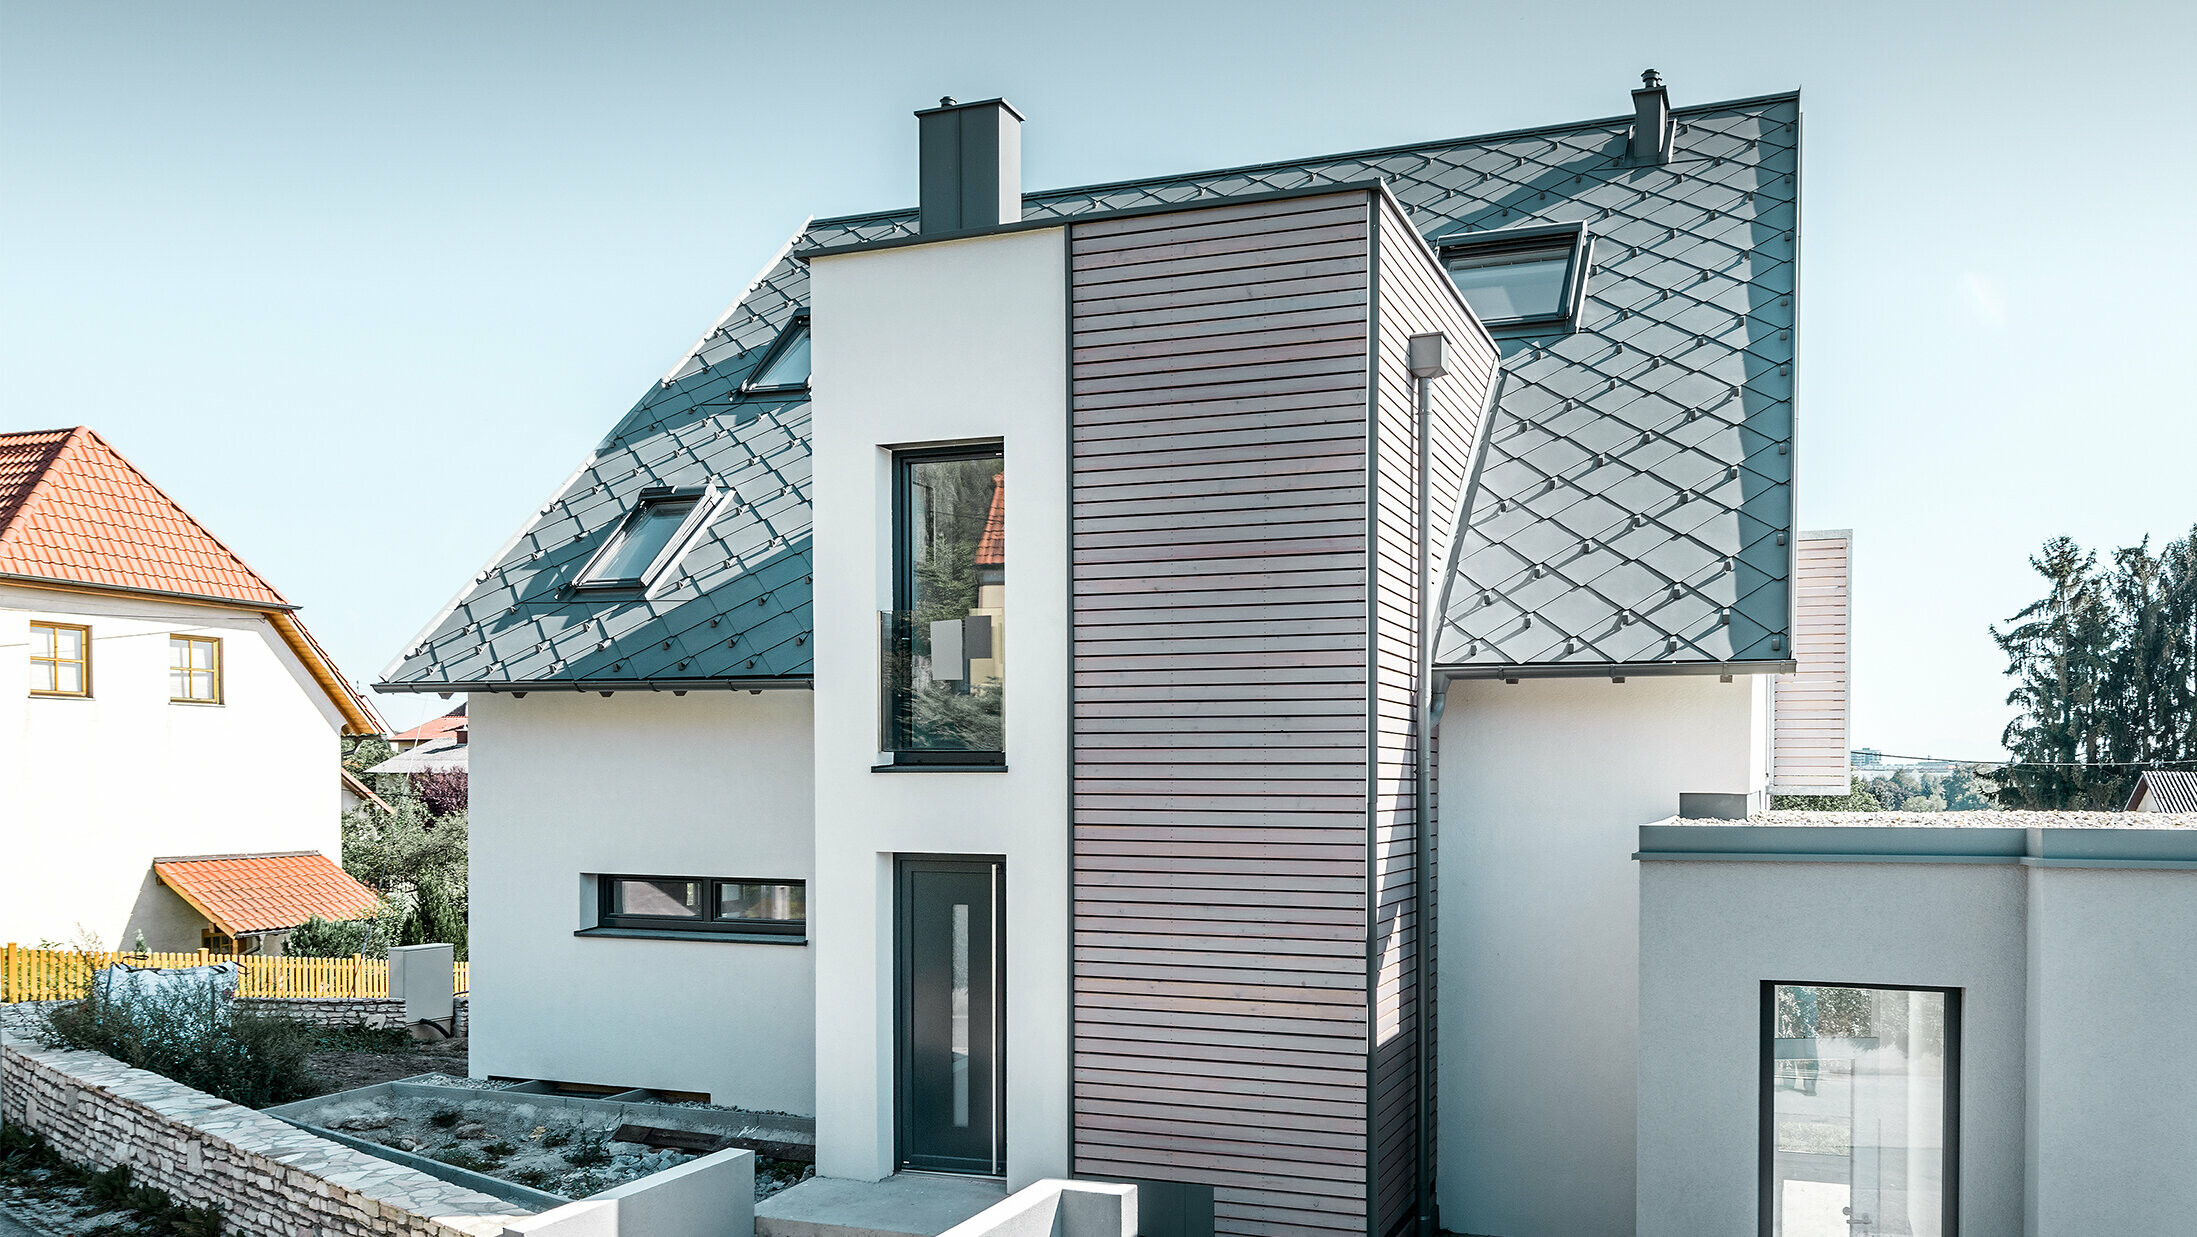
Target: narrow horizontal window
61, 659
704, 904
648, 540
786, 366
194, 670
1513, 279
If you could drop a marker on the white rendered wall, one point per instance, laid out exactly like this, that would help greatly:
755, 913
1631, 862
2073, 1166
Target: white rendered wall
92, 790
2113, 1014
934, 344
570, 785
1544, 784
1712, 932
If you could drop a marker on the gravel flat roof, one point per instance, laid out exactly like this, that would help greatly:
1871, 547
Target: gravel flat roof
1955, 820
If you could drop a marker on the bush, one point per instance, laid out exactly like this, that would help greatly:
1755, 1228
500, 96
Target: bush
417, 862
23, 1153
340, 938
198, 1039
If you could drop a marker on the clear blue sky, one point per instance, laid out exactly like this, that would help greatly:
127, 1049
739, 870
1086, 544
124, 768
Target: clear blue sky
361, 284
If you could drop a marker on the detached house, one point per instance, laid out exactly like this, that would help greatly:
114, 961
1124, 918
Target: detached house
990, 695
167, 725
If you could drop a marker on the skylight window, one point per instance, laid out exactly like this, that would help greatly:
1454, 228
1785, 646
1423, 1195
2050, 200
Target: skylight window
648, 540
787, 366
1520, 277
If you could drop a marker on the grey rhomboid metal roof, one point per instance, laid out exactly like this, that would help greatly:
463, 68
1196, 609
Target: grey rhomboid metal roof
1634, 506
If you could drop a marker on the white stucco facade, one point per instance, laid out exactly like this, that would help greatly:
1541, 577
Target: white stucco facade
93, 789
1543, 785
567, 787
936, 344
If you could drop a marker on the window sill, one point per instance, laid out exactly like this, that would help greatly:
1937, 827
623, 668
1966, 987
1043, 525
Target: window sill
999, 768
674, 934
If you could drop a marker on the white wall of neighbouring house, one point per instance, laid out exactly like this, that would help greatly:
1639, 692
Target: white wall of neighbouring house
934, 344
2113, 1011
1711, 933
567, 787
1543, 786
92, 790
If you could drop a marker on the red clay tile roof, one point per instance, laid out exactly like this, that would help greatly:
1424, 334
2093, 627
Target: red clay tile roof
434, 728
991, 548
72, 510
265, 893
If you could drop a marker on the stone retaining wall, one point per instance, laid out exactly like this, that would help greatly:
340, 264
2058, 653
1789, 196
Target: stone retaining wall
266, 1175
374, 1012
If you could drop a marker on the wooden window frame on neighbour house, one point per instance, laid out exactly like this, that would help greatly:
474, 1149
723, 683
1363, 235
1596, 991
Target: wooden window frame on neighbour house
55, 661
214, 670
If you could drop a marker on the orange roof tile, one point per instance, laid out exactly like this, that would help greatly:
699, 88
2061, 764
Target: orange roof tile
991, 547
433, 728
265, 893
73, 510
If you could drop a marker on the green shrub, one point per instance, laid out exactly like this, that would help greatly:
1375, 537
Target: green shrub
114, 1189
198, 1039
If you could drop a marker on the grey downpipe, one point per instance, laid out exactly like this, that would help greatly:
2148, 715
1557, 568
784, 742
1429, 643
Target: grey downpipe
1429, 1224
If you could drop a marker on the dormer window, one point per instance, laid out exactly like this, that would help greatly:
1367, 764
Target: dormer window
651, 538
1520, 277
786, 366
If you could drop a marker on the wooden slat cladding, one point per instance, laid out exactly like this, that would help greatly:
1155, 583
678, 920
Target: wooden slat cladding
1413, 296
1244, 555
1222, 704
1809, 709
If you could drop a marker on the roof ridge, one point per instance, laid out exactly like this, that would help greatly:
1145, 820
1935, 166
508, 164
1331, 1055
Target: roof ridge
36, 493
1368, 152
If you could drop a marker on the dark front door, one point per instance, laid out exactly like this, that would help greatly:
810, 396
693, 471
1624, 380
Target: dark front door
952, 1018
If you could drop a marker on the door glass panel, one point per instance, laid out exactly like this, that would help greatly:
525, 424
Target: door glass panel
1859, 1091
960, 1064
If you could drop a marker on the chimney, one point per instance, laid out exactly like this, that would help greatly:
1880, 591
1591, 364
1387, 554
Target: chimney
1651, 126
970, 173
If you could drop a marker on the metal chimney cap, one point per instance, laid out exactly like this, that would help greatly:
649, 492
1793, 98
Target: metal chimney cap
1651, 80
946, 104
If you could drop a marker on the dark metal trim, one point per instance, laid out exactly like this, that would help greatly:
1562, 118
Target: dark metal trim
1062, 221
940, 768
803, 682
1624, 120
714, 938
607, 919
1610, 669
1766, 1103
1068, 637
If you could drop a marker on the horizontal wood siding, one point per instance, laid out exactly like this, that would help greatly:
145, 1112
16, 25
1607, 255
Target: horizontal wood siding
1412, 295
1809, 709
1221, 706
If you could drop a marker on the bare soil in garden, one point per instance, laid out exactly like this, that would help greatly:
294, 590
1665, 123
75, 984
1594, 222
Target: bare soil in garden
364, 1061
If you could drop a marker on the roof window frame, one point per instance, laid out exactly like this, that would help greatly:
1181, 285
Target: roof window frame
707, 499
1529, 236
796, 329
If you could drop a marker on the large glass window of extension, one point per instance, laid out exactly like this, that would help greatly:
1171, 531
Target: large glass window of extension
944, 641
61, 659
678, 905
1519, 277
1860, 1111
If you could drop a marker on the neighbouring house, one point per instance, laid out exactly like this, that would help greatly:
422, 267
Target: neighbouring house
1465, 463
448, 728
141, 656
357, 794
2163, 790
248, 903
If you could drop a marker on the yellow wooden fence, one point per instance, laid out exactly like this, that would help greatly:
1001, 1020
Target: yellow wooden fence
60, 974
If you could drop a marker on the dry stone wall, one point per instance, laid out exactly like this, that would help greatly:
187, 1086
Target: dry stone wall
267, 1176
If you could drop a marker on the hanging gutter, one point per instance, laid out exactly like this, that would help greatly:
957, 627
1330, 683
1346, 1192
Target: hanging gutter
522, 686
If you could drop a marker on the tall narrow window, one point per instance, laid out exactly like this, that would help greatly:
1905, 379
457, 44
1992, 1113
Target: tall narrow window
945, 639
648, 540
194, 670
1860, 1107
1520, 277
61, 659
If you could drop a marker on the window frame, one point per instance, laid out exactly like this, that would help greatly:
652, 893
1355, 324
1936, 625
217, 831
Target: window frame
611, 922
84, 663
796, 328
1766, 1095
221, 694
706, 499
1522, 238
903, 585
